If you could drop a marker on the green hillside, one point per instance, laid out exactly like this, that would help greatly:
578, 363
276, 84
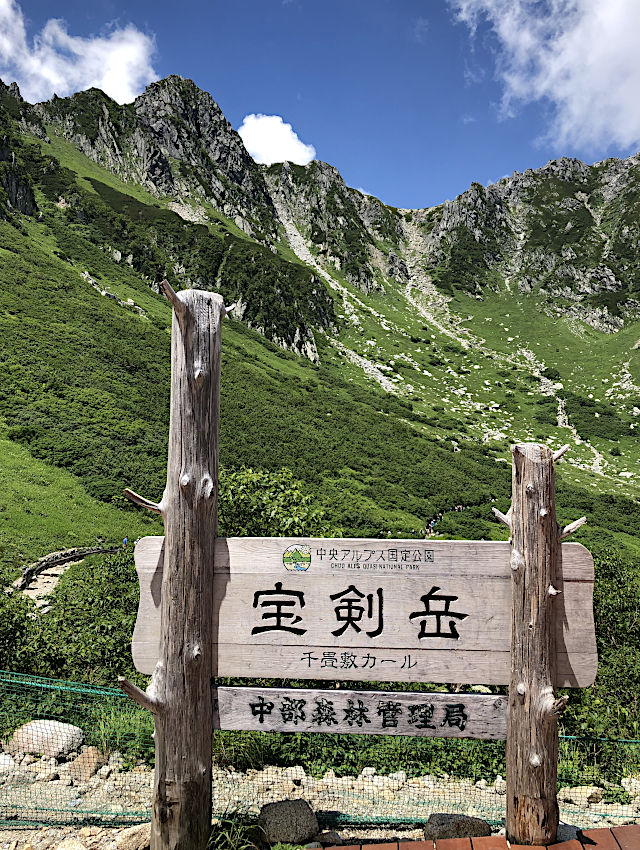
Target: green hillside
403, 419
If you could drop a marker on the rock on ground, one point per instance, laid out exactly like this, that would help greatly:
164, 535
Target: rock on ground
47, 737
328, 838
582, 795
566, 832
87, 763
7, 764
135, 837
455, 826
288, 822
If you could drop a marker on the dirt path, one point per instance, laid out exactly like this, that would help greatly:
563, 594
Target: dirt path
39, 579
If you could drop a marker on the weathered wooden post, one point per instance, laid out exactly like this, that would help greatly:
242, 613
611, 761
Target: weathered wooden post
532, 715
180, 691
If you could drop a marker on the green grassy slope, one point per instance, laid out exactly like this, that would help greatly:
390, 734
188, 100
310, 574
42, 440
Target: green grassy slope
85, 387
84, 391
43, 509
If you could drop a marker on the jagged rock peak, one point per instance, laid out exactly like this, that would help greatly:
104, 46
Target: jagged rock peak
174, 141
342, 225
178, 90
14, 91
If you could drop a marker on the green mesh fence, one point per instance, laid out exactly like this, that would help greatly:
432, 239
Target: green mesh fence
97, 767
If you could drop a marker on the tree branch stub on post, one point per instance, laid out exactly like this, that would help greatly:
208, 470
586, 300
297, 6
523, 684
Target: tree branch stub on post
532, 731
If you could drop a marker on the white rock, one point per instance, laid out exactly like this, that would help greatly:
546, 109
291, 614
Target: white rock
631, 785
293, 773
582, 795
47, 776
134, 837
7, 764
49, 737
500, 786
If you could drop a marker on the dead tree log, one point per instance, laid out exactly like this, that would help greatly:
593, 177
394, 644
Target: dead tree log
180, 691
532, 717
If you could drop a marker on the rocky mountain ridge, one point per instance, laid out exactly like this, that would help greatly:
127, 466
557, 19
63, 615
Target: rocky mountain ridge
174, 141
569, 232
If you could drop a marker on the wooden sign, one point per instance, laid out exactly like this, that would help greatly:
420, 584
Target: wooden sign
376, 610
361, 712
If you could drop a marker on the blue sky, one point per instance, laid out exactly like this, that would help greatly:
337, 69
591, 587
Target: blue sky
411, 100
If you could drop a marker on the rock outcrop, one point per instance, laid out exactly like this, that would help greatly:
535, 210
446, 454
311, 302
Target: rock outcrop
568, 232
174, 141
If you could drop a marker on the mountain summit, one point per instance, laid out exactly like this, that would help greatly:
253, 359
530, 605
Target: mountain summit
568, 231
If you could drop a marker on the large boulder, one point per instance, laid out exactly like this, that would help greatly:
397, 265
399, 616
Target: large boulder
288, 822
581, 795
455, 826
87, 763
46, 737
7, 764
134, 837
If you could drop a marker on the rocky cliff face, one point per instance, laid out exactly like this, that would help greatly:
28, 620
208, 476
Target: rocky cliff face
16, 192
344, 228
173, 140
569, 232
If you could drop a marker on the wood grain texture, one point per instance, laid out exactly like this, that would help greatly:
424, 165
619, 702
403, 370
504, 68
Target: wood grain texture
599, 839
532, 727
490, 842
628, 837
477, 573
181, 684
361, 712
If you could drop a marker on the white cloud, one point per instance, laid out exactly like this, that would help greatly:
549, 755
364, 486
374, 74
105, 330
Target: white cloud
580, 56
269, 139
118, 62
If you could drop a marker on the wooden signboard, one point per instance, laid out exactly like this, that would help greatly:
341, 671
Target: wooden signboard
361, 712
517, 613
371, 610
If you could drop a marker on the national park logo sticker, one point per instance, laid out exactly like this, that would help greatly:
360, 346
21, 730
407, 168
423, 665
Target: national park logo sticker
297, 558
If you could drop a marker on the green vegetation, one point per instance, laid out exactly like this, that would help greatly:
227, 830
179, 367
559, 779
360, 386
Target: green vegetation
88, 109
84, 382
232, 834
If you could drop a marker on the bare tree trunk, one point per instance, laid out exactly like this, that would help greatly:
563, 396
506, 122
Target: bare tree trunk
180, 691
532, 728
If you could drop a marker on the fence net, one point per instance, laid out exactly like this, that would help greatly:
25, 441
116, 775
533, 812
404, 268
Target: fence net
75, 753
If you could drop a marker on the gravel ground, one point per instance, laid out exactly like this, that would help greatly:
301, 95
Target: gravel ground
41, 789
